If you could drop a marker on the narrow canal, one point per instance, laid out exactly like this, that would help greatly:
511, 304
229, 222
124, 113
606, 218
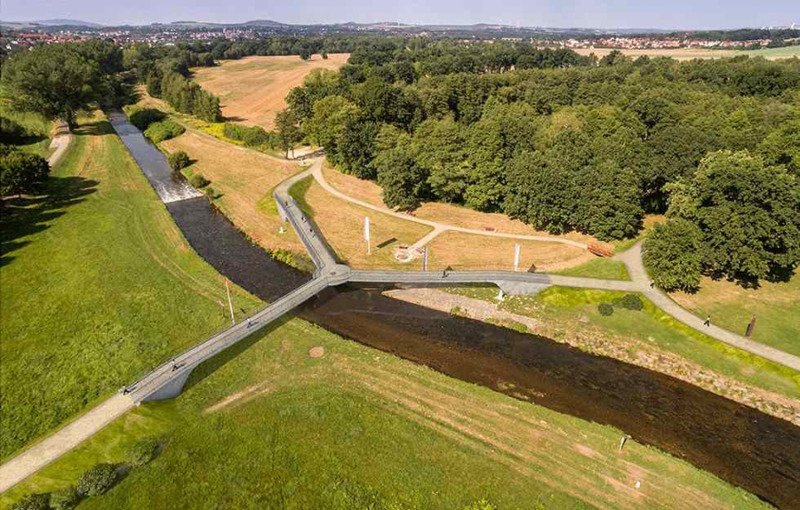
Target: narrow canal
739, 444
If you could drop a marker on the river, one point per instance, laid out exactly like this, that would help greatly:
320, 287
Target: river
741, 445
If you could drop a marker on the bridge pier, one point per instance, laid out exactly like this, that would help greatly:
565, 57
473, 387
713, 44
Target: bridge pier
173, 388
521, 288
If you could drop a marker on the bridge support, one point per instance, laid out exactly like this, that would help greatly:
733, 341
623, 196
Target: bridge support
521, 288
173, 388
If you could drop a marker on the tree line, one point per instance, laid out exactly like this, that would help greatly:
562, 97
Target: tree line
587, 146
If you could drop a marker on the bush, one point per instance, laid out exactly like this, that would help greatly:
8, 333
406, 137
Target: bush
164, 130
198, 181
21, 172
605, 309
143, 117
65, 499
142, 452
33, 502
97, 479
210, 193
630, 302
178, 160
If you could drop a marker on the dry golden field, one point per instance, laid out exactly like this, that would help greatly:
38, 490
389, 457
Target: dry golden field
690, 53
253, 89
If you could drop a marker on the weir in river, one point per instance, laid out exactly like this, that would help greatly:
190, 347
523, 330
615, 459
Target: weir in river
737, 443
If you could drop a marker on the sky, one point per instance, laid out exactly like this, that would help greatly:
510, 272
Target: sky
668, 14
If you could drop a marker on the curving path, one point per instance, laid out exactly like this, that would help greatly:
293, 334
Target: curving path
167, 380
438, 227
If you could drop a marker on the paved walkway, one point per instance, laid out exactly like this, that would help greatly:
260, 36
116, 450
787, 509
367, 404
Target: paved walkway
57, 444
167, 380
438, 227
61, 140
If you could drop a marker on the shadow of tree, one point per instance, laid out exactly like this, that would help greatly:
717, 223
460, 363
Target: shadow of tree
25, 216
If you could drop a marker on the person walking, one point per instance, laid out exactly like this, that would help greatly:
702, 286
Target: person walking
707, 322
174, 365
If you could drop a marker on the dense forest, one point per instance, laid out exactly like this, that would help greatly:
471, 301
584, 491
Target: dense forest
570, 143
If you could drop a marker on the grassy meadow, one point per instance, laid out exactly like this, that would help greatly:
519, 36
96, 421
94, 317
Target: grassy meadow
269, 426
98, 285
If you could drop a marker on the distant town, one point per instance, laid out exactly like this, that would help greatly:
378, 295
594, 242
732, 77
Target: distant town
20, 36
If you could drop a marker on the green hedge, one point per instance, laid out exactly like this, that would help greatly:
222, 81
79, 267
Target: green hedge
164, 130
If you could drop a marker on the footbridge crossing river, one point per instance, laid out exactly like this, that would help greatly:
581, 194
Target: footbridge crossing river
167, 380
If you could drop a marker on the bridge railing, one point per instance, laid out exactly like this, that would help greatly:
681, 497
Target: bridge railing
200, 352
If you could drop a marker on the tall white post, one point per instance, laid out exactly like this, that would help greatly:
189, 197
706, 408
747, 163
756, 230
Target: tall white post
366, 234
230, 303
425, 258
516, 257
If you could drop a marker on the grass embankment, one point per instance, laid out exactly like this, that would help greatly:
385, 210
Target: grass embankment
38, 128
253, 89
268, 426
243, 181
565, 312
731, 306
598, 268
98, 285
342, 226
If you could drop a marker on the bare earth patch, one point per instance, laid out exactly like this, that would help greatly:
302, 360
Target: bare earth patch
252, 90
317, 352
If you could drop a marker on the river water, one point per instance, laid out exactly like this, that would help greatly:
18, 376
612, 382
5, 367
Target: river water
741, 445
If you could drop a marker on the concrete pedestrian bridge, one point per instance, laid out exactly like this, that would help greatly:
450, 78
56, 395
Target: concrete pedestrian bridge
167, 380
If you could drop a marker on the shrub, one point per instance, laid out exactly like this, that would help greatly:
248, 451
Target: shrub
605, 309
65, 499
143, 117
21, 172
198, 181
142, 452
97, 479
630, 302
210, 193
164, 130
178, 160
33, 502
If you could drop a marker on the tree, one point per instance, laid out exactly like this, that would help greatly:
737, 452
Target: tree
324, 55
327, 125
97, 480
288, 131
54, 80
748, 213
782, 147
305, 54
441, 152
403, 181
21, 172
608, 204
672, 254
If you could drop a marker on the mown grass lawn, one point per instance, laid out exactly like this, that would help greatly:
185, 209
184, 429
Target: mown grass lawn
268, 426
98, 285
604, 268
